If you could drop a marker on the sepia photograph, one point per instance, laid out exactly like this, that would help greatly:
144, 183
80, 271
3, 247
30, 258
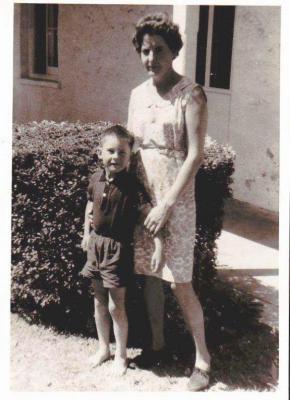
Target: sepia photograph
146, 198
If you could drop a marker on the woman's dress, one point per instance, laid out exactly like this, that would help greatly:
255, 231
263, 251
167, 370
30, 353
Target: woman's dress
158, 125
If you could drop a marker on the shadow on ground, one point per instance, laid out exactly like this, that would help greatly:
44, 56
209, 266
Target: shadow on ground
244, 220
265, 293
244, 350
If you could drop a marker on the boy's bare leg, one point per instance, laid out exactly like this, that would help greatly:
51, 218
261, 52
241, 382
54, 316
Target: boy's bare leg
120, 325
154, 300
102, 319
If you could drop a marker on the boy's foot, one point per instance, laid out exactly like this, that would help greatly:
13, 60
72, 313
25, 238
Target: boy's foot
198, 380
100, 357
119, 366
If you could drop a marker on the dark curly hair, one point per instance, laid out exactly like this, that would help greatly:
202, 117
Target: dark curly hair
158, 24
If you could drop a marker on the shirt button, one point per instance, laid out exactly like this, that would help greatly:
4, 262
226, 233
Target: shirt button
104, 194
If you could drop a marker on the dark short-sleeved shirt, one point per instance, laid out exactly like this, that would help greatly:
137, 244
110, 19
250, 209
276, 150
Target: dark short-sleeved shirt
117, 204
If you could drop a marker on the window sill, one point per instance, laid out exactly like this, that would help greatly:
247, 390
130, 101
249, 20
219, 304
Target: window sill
41, 82
217, 90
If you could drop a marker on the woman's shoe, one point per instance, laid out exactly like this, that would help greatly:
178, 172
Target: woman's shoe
198, 380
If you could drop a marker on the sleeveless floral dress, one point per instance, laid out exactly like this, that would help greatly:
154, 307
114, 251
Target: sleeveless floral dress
158, 125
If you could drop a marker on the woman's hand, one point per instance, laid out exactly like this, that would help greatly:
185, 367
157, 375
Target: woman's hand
157, 218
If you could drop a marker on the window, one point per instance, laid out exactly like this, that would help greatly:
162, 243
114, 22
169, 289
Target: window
39, 44
214, 46
45, 39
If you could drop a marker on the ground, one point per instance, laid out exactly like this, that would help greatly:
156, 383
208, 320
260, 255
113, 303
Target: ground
43, 360
248, 254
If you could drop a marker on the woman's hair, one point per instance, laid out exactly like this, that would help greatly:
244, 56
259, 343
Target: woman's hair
158, 24
120, 132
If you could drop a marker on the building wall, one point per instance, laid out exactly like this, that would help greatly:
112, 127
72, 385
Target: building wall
246, 116
254, 113
98, 65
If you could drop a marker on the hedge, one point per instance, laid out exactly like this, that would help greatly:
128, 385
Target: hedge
51, 165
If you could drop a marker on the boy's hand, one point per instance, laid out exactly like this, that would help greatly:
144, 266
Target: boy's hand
156, 260
91, 220
85, 242
157, 257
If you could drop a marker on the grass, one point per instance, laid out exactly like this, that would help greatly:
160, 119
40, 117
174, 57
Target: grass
45, 360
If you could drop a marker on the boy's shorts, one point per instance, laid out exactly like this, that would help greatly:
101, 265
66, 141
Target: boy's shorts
108, 261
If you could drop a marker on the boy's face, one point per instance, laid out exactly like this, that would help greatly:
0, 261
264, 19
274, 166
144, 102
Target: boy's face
115, 154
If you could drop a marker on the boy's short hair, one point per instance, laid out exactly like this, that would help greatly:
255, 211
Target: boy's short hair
120, 132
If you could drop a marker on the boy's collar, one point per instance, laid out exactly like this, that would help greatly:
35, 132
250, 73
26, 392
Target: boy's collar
117, 177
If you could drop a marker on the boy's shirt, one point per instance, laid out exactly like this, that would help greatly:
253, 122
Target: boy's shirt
117, 204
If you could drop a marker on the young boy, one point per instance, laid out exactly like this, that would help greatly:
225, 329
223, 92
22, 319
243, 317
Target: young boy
115, 198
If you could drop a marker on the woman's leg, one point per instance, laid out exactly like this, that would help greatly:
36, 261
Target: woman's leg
154, 300
193, 316
102, 319
120, 325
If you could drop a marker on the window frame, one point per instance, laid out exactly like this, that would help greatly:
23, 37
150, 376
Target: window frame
208, 56
51, 70
51, 73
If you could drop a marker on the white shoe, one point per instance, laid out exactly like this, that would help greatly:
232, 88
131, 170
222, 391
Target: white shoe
198, 380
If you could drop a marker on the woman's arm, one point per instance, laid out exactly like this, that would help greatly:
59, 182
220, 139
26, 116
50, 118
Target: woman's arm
196, 123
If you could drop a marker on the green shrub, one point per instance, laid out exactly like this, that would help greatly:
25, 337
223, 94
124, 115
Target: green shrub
51, 165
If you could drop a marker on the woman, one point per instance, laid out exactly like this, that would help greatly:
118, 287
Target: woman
168, 116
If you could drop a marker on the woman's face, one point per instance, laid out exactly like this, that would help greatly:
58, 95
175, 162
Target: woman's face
156, 57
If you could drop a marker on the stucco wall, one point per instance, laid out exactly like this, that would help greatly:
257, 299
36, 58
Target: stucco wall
254, 116
98, 66
246, 116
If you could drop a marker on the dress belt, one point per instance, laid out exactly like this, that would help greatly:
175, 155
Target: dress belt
179, 154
